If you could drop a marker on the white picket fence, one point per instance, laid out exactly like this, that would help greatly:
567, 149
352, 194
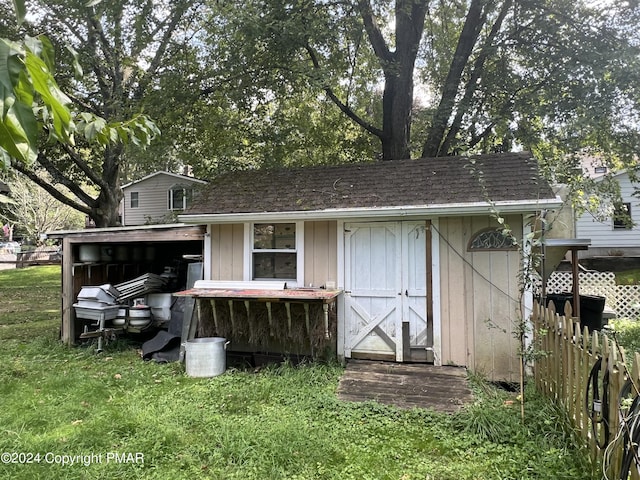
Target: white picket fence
624, 300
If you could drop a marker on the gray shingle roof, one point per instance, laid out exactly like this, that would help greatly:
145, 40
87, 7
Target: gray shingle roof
426, 181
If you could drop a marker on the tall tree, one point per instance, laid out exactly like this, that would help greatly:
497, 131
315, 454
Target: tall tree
549, 75
122, 46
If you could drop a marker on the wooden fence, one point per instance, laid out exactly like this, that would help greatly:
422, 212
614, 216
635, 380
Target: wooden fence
596, 382
39, 256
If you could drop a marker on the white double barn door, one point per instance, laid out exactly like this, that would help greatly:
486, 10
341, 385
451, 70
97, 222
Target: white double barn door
385, 290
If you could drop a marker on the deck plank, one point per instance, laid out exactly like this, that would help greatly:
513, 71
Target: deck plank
443, 389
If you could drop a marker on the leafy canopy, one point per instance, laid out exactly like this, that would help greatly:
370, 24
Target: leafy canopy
32, 103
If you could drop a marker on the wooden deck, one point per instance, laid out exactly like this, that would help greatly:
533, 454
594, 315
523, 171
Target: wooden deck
443, 389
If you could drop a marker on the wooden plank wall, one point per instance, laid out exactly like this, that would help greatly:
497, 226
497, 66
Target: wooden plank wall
320, 253
227, 252
479, 299
563, 374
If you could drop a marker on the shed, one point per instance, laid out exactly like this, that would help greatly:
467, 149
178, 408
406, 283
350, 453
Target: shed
412, 245
99, 256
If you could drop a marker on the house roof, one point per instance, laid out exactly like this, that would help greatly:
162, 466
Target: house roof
169, 174
446, 183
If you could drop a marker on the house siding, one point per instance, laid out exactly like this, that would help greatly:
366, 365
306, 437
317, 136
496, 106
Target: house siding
227, 252
479, 299
604, 237
153, 203
321, 253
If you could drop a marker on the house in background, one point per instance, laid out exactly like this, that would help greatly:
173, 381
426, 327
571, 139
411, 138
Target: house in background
413, 245
157, 198
613, 235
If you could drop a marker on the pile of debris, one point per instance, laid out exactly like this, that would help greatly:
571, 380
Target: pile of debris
132, 306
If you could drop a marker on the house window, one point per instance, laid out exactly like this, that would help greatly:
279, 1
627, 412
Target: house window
600, 169
491, 239
180, 197
274, 253
622, 216
134, 200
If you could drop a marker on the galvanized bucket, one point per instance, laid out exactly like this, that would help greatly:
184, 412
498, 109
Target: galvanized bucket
206, 356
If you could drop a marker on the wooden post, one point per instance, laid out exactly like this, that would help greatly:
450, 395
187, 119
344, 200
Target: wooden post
287, 307
232, 317
215, 314
270, 319
576, 285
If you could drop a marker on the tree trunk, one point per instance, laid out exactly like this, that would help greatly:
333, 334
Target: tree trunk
398, 67
396, 117
106, 212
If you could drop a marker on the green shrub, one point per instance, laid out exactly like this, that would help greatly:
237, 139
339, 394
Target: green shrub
626, 332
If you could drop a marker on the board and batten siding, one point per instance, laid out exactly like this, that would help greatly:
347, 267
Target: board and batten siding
601, 232
227, 251
153, 198
320, 252
479, 299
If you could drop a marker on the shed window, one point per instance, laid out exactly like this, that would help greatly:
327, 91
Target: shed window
180, 197
274, 251
134, 200
491, 239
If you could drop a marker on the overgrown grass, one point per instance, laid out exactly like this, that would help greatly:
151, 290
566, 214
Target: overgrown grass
283, 422
628, 277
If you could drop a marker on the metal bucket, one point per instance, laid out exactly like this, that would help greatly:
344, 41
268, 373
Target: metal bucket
206, 356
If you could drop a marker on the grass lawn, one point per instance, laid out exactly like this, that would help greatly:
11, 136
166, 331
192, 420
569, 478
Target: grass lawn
628, 277
115, 416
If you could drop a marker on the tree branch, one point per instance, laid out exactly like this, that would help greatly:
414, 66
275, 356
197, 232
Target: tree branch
151, 71
476, 74
342, 106
475, 20
51, 190
62, 179
83, 104
376, 38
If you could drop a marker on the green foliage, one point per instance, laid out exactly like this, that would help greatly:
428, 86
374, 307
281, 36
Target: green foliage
32, 102
76, 129
494, 419
626, 332
628, 277
34, 212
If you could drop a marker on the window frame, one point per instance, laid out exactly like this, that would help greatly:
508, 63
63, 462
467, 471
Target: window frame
186, 199
249, 251
137, 200
619, 224
491, 231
